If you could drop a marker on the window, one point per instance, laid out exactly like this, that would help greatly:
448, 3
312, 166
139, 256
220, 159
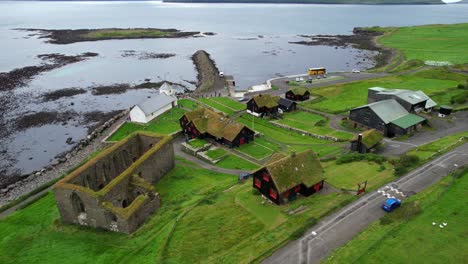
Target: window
273, 193
257, 182
265, 177
297, 189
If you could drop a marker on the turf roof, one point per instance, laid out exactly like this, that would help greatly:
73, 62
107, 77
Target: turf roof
215, 124
298, 90
290, 171
266, 100
370, 137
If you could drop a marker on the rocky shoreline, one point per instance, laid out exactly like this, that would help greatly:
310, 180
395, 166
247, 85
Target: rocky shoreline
63, 163
208, 77
68, 36
362, 39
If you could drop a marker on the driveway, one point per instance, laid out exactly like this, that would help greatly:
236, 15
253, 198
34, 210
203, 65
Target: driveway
340, 227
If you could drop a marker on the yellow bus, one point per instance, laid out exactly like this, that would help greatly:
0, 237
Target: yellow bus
316, 71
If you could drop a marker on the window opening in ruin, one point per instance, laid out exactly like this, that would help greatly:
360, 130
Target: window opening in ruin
77, 204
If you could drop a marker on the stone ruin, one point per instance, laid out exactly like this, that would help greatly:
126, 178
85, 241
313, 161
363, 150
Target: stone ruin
114, 190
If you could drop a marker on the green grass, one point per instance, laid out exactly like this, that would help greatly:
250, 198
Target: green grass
125, 33
230, 103
216, 153
430, 42
312, 123
166, 123
442, 202
347, 175
204, 217
216, 105
343, 97
198, 143
439, 147
187, 103
259, 149
444, 98
236, 163
274, 133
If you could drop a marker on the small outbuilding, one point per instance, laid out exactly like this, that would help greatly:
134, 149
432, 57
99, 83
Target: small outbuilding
287, 105
285, 177
262, 105
151, 108
167, 89
445, 110
366, 141
298, 94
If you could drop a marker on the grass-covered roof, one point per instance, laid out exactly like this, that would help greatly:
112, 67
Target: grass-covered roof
216, 124
370, 137
290, 171
266, 100
298, 90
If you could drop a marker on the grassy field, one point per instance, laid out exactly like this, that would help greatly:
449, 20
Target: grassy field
166, 123
210, 102
347, 175
205, 217
430, 42
198, 143
259, 149
216, 153
187, 103
312, 123
440, 146
343, 97
229, 103
442, 202
236, 163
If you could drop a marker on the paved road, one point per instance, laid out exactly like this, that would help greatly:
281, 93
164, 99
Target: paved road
340, 227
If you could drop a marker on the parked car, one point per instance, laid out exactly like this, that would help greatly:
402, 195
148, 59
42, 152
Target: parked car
324, 76
318, 77
221, 74
356, 71
390, 204
242, 99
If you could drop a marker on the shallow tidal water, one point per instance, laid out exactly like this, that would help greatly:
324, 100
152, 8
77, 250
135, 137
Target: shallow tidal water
251, 43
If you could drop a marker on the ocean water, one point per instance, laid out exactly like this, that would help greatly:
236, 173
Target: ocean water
251, 43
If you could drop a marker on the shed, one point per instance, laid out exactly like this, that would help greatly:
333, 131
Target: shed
287, 105
146, 111
364, 142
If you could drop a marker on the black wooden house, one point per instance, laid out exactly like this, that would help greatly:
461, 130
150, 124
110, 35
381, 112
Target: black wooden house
262, 105
298, 94
284, 178
287, 105
208, 124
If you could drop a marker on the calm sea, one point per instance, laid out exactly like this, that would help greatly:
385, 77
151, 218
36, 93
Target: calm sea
251, 43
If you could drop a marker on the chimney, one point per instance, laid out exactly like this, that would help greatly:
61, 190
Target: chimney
359, 142
359, 139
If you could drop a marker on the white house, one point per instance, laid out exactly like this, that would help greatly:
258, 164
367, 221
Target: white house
166, 89
156, 105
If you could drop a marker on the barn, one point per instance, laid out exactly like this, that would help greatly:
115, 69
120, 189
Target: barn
287, 105
284, 177
387, 116
151, 108
366, 141
208, 124
412, 101
262, 105
298, 94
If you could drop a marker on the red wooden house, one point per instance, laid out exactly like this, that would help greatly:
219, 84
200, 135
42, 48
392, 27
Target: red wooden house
283, 178
206, 123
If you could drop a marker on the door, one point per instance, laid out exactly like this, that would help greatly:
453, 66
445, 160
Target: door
241, 140
317, 187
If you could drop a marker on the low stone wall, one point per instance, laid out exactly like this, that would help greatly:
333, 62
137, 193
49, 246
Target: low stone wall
202, 155
307, 133
187, 148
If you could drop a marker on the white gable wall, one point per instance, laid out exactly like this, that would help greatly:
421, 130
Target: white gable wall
137, 115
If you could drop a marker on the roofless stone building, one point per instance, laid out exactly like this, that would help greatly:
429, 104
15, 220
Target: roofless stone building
114, 190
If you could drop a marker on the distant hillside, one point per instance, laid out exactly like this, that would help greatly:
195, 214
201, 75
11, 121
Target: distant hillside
361, 2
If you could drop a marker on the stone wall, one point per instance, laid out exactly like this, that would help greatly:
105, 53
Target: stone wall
114, 190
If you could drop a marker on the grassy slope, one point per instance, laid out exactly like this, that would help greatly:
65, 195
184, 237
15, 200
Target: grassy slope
166, 123
431, 42
342, 97
200, 220
439, 146
440, 203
